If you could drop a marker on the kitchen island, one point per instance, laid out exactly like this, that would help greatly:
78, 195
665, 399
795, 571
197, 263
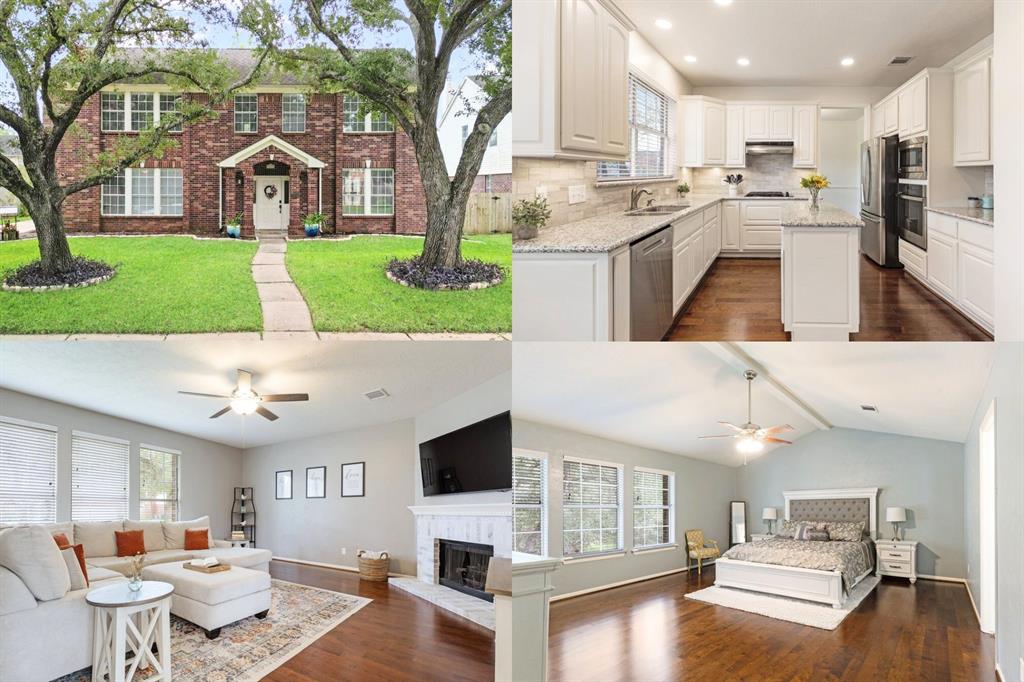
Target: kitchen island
820, 272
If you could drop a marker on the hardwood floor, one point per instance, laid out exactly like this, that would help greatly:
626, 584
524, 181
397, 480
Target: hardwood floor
648, 631
740, 299
396, 637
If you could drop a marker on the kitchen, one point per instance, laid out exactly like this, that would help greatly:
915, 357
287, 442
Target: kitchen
618, 107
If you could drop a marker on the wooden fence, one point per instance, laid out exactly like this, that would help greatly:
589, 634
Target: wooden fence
487, 213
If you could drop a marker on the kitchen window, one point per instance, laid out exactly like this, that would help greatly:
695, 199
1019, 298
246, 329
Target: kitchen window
651, 142
246, 108
158, 484
591, 508
368, 191
143, 191
356, 120
28, 472
99, 478
653, 508
529, 500
293, 113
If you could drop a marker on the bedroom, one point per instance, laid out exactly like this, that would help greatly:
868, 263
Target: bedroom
920, 442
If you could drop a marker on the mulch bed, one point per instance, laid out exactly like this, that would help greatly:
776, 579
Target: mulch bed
82, 273
468, 274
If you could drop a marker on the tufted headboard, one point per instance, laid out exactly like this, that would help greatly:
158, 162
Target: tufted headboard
837, 504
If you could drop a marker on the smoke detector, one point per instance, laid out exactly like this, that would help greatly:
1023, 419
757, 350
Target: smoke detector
899, 61
376, 394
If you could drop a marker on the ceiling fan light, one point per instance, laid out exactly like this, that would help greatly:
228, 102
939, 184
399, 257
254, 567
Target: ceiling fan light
245, 404
749, 446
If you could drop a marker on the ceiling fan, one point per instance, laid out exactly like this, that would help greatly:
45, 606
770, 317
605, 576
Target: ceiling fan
751, 437
244, 400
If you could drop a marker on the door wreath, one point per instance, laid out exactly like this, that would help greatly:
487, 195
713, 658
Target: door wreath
270, 191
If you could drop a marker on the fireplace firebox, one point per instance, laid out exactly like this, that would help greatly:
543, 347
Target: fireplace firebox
462, 566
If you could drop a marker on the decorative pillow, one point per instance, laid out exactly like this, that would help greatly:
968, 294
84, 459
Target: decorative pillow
74, 558
32, 555
804, 529
61, 540
174, 533
130, 542
152, 532
818, 535
847, 531
98, 537
197, 538
787, 529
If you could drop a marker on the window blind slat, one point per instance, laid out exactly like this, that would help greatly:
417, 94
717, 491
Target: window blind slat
158, 484
28, 474
591, 506
652, 508
529, 504
651, 139
99, 479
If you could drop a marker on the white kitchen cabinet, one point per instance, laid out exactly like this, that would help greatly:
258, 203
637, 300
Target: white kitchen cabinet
703, 132
942, 263
780, 122
735, 137
696, 258
621, 260
877, 120
904, 105
681, 275
891, 115
914, 259
730, 226
913, 107
760, 226
805, 136
972, 114
712, 241
756, 122
976, 282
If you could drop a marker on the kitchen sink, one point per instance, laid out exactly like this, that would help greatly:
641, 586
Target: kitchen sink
663, 209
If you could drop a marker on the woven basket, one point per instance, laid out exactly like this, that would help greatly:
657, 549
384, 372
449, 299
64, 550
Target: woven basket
375, 570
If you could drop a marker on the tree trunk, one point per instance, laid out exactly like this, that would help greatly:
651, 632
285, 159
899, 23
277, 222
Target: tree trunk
445, 218
54, 251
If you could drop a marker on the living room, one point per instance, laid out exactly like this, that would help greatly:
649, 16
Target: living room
299, 474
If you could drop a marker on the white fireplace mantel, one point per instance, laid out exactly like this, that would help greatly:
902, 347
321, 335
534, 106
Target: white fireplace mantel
489, 509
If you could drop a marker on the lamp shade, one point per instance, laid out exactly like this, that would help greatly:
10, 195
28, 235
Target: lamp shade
769, 514
895, 514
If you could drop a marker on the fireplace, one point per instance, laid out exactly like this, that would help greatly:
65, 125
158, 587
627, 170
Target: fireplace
462, 566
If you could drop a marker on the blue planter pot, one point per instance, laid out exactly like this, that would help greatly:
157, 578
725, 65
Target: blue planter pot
234, 231
312, 230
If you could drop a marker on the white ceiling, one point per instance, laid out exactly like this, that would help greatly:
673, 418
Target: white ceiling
662, 396
800, 42
140, 380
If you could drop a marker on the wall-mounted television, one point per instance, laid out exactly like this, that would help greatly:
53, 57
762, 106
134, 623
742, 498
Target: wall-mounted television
474, 458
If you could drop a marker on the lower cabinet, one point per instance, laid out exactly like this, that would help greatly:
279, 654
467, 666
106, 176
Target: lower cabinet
942, 263
975, 280
730, 226
760, 226
681, 277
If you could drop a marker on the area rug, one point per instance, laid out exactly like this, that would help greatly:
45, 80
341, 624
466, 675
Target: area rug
784, 608
251, 648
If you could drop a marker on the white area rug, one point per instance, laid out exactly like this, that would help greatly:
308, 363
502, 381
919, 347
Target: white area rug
784, 608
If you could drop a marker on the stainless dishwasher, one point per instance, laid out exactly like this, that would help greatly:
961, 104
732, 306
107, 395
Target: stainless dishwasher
650, 286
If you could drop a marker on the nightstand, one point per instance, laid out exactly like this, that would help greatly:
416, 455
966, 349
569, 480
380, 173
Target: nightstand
754, 537
897, 558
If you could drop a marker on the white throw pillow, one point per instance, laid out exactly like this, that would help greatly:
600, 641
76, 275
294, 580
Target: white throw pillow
174, 533
152, 533
31, 554
74, 569
97, 537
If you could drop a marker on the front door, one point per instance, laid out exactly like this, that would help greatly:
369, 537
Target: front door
271, 210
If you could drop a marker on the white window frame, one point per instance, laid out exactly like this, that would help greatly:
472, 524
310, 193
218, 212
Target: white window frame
368, 124
285, 113
367, 192
542, 457
255, 113
620, 545
177, 466
114, 96
157, 196
604, 168
50, 499
126, 110
127, 470
671, 509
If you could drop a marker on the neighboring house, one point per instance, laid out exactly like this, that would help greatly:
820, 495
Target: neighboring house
273, 154
454, 127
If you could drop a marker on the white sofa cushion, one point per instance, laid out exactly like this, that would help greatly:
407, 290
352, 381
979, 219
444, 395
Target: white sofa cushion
14, 595
152, 533
68, 528
98, 575
237, 556
97, 537
209, 588
75, 574
31, 554
174, 533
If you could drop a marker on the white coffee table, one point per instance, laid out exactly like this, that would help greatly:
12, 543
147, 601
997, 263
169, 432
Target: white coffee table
137, 620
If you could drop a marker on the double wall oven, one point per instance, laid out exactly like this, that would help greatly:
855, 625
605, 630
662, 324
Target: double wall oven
911, 199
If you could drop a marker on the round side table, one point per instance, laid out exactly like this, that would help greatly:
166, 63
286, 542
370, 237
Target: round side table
125, 620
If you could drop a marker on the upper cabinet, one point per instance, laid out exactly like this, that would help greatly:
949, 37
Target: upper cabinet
768, 122
716, 133
913, 107
805, 136
780, 122
704, 132
570, 94
735, 137
891, 115
972, 114
878, 120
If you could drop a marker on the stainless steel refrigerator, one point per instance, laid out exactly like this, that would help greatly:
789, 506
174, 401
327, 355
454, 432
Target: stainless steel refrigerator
879, 239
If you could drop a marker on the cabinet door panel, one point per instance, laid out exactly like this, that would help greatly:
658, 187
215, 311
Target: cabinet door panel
877, 120
680, 274
781, 122
731, 225
696, 259
976, 282
761, 238
714, 134
942, 264
972, 113
892, 110
735, 140
919, 106
805, 136
615, 95
761, 213
756, 119
583, 23
904, 103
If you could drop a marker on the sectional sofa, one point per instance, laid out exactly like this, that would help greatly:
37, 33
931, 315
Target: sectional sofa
46, 627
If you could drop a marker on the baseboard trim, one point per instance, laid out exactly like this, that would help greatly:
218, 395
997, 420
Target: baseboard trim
942, 578
337, 567
622, 583
974, 606
999, 673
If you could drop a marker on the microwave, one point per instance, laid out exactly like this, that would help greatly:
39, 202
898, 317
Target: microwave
913, 158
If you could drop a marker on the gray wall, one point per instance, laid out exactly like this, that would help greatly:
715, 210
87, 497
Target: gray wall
209, 470
702, 495
923, 475
318, 529
1004, 386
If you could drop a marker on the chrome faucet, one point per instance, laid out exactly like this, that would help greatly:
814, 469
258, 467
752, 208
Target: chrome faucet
634, 196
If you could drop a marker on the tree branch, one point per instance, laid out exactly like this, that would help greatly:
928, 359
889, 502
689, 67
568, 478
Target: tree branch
11, 179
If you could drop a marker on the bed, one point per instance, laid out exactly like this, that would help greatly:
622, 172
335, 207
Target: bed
815, 571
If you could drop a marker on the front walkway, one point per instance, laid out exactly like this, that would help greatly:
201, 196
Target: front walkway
284, 310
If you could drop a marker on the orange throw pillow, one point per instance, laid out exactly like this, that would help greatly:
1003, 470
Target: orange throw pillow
197, 538
129, 542
80, 553
62, 540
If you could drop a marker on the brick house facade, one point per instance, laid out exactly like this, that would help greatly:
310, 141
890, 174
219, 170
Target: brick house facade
269, 176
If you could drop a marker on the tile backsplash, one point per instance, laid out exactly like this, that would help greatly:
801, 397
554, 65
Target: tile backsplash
763, 172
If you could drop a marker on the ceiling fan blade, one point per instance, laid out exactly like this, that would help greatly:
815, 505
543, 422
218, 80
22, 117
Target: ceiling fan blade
244, 381
731, 425
769, 439
265, 413
781, 428
205, 395
727, 435
285, 397
217, 414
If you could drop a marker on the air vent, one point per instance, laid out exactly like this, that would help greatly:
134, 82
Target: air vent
869, 408
898, 61
376, 394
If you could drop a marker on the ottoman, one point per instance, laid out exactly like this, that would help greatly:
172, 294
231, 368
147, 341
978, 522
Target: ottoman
212, 600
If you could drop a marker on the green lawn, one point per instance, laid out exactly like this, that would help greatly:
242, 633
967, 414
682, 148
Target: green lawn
162, 285
346, 289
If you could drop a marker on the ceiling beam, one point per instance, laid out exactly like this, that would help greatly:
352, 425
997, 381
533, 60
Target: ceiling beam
734, 356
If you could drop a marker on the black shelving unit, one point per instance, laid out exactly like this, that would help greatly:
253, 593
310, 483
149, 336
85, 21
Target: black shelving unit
243, 515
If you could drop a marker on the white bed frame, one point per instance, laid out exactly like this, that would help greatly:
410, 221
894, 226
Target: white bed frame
791, 581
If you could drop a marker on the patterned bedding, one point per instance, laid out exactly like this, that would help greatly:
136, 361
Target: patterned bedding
849, 558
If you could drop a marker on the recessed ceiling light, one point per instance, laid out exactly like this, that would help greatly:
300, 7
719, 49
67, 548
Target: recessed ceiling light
847, 61
689, 58
743, 61
663, 24
723, 3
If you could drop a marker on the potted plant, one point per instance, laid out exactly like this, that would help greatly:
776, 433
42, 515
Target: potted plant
733, 180
682, 190
814, 184
234, 226
313, 223
529, 215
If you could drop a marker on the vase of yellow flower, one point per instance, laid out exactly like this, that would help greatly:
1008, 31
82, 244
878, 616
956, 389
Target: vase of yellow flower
814, 184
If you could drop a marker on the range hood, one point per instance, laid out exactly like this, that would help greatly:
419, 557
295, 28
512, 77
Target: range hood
769, 147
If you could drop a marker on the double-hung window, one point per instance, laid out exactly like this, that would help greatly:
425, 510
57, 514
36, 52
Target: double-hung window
142, 111
246, 107
171, 104
368, 191
651, 141
293, 113
143, 191
28, 472
653, 508
591, 507
357, 120
99, 478
529, 500
158, 484
112, 112
137, 111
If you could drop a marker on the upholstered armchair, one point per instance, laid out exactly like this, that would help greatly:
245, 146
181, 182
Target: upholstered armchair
699, 548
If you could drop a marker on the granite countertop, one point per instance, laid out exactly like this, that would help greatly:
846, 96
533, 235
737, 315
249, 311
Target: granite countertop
978, 215
828, 215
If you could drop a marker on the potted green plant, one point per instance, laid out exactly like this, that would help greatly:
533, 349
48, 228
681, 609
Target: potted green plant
528, 216
313, 223
682, 190
234, 226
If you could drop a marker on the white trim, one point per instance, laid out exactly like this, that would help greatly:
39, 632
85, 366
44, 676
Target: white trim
157, 194
271, 140
24, 422
337, 567
655, 548
158, 448
489, 509
651, 470
95, 436
367, 193
600, 462
545, 476
835, 494
621, 583
583, 558
942, 578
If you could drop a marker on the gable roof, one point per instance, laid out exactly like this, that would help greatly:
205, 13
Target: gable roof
240, 60
272, 141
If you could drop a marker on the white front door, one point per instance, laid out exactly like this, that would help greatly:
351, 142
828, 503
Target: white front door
270, 211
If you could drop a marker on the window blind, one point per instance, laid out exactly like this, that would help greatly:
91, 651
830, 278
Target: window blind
651, 138
99, 478
158, 484
28, 472
652, 508
529, 496
591, 507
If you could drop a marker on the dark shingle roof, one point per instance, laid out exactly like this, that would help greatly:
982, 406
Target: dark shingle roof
240, 60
